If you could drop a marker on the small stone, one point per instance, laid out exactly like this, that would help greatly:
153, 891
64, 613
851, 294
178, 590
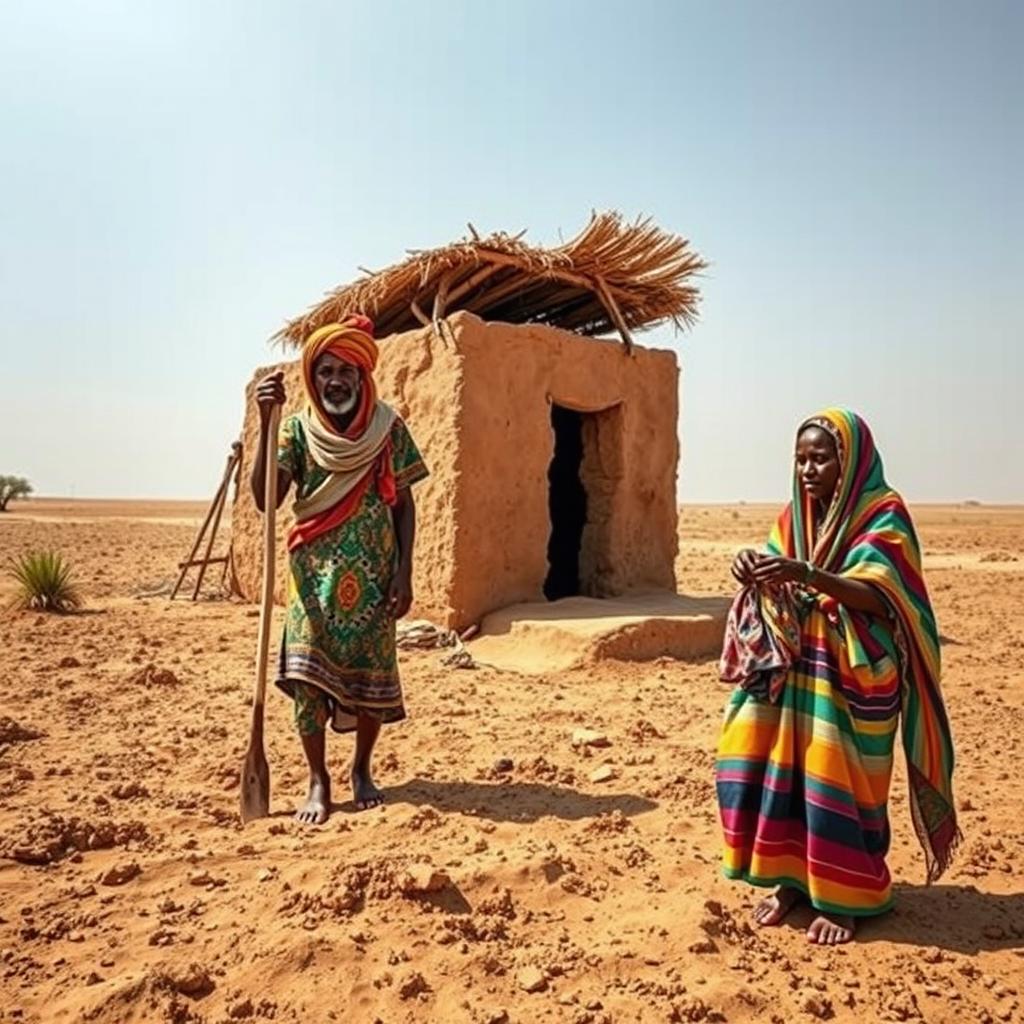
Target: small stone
93, 978
704, 946
264, 875
241, 1009
532, 979
191, 980
503, 766
120, 873
204, 877
129, 791
412, 985
589, 738
424, 878
603, 774
817, 1006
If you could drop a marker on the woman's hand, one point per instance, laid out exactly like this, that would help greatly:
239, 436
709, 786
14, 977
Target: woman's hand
744, 564
774, 569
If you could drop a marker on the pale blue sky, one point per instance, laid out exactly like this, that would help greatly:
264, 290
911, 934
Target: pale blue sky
177, 178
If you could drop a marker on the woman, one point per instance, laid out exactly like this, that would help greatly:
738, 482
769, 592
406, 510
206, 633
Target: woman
831, 639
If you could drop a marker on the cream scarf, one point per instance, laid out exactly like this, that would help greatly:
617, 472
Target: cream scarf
346, 459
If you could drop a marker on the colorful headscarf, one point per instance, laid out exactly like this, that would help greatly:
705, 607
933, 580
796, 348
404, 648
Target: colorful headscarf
867, 534
351, 340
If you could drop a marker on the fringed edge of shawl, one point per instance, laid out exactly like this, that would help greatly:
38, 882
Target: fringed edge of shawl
941, 842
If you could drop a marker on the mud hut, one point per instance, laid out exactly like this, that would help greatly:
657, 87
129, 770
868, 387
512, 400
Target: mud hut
553, 450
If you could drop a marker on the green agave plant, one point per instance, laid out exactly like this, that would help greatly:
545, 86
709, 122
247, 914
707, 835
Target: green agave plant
45, 583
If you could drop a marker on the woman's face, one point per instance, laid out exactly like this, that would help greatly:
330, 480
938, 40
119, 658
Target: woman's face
817, 463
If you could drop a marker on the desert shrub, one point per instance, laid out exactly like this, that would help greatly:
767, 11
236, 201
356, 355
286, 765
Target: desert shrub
44, 583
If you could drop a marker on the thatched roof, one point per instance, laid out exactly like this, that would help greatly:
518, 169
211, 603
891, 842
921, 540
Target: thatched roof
612, 276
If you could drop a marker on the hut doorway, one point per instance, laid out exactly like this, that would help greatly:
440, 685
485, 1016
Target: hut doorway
582, 482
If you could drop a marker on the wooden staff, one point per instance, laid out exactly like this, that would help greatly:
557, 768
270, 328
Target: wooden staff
255, 790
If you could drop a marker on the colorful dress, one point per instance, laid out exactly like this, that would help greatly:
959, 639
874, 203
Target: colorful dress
804, 767
338, 655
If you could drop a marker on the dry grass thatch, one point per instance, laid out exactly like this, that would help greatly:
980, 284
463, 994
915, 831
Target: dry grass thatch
612, 276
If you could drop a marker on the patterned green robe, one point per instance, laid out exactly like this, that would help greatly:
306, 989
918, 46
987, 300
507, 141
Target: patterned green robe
338, 635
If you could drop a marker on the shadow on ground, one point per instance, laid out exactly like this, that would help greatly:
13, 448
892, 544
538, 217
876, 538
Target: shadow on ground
515, 801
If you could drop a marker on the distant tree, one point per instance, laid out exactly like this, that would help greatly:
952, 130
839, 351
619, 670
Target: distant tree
13, 487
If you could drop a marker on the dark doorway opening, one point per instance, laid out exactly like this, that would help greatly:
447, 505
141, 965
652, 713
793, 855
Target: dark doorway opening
567, 505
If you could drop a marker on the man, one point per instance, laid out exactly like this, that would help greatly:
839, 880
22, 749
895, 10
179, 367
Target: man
353, 462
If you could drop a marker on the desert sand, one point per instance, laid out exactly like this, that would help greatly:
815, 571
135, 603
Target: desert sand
500, 883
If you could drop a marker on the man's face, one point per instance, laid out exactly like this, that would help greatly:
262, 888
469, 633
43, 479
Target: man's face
337, 384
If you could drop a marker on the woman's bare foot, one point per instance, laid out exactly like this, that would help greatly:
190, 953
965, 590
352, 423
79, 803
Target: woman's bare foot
831, 929
772, 910
318, 804
364, 792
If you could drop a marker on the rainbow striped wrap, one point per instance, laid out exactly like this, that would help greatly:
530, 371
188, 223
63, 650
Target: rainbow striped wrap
803, 781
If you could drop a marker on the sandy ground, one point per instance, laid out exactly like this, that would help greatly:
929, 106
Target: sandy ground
485, 891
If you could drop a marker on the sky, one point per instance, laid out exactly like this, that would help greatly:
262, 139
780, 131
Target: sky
177, 178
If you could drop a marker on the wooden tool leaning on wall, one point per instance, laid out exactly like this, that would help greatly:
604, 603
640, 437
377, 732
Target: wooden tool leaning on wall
233, 468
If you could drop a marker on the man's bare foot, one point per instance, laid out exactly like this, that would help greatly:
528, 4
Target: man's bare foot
318, 804
364, 792
772, 910
831, 929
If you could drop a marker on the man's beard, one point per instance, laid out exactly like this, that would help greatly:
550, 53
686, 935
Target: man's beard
340, 408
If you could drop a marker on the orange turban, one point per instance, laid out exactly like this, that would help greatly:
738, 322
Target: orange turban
350, 340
